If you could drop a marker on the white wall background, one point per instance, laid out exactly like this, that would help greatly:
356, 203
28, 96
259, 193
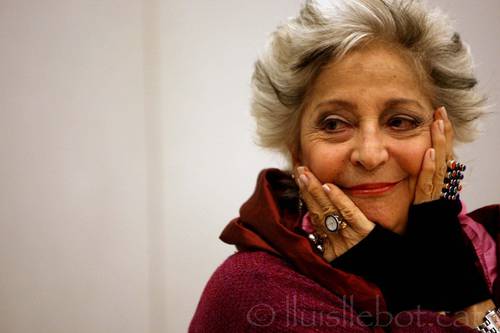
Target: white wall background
73, 171
126, 147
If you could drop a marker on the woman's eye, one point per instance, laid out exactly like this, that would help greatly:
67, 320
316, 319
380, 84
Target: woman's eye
403, 123
333, 124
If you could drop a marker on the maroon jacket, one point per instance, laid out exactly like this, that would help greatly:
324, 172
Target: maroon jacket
276, 283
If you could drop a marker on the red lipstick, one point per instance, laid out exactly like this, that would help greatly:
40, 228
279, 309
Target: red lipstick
370, 188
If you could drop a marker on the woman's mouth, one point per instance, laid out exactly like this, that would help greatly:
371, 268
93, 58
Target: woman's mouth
370, 189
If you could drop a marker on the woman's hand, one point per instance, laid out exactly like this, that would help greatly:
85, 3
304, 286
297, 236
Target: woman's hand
436, 225
430, 181
322, 199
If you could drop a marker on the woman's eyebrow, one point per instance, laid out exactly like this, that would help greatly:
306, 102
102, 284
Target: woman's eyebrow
389, 103
340, 103
403, 101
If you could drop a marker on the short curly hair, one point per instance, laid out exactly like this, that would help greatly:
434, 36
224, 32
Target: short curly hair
299, 48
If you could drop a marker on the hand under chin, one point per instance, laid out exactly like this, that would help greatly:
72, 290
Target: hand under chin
389, 215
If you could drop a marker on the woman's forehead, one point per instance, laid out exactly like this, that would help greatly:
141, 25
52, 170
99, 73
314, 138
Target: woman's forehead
380, 74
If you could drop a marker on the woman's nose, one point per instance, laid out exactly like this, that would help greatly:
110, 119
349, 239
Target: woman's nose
370, 150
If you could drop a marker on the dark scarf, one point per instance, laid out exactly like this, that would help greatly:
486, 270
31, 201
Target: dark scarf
269, 221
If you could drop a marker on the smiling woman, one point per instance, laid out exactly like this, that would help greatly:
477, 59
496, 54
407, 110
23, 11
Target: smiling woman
365, 120
365, 232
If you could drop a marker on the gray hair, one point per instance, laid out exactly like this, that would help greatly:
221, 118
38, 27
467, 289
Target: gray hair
299, 48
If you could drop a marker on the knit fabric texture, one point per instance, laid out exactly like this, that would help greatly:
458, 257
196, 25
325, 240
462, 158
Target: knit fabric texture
259, 292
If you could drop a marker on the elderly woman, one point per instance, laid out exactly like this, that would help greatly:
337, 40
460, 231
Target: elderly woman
366, 232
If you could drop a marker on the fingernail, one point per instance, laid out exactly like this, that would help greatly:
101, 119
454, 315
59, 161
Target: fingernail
326, 188
444, 113
441, 125
301, 170
432, 154
304, 180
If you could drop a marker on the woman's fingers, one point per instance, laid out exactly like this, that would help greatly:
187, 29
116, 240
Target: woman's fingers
442, 141
328, 199
349, 211
322, 199
317, 204
430, 181
440, 147
315, 198
425, 183
312, 187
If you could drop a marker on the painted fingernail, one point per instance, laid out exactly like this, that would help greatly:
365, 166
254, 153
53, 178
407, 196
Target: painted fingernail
444, 113
432, 154
326, 188
304, 180
441, 125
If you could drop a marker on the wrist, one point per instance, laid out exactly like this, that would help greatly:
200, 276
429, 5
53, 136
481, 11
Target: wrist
382, 258
473, 315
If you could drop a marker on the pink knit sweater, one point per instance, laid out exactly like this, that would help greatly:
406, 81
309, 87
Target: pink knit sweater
259, 292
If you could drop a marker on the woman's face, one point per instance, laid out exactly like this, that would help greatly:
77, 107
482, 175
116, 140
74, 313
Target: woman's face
365, 128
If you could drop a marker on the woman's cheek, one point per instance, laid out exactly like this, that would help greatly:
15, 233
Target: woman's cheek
411, 154
326, 161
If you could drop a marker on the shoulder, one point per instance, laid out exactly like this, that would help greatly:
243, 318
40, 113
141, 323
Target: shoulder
253, 274
489, 216
257, 289
251, 265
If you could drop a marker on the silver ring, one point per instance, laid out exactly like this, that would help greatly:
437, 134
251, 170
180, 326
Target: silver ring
334, 222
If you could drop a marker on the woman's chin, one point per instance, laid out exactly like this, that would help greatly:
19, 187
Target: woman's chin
390, 215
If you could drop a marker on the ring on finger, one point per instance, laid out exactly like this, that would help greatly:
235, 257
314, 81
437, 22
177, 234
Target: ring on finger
334, 221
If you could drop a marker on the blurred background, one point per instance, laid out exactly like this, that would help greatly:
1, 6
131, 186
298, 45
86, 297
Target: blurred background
126, 146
